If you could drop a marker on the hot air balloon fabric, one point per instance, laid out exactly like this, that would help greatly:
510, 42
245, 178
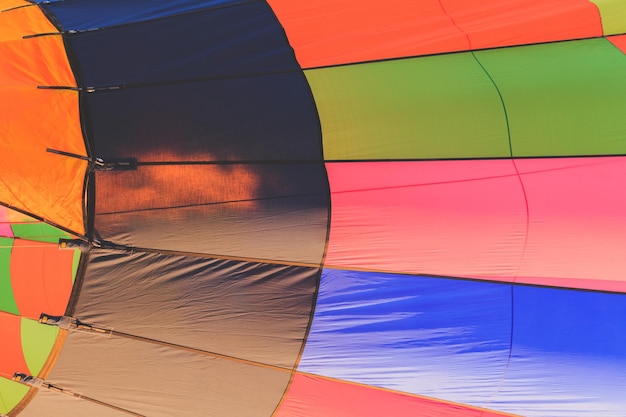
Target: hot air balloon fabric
244, 208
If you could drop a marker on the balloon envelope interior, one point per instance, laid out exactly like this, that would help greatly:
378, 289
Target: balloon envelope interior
296, 209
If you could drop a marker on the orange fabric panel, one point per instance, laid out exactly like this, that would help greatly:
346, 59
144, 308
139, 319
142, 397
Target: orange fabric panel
33, 180
41, 277
491, 23
11, 356
331, 32
328, 32
28, 63
312, 396
619, 41
21, 21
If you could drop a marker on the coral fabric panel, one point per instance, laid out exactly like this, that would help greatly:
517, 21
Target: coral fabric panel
490, 24
11, 355
41, 275
619, 41
34, 180
312, 396
331, 32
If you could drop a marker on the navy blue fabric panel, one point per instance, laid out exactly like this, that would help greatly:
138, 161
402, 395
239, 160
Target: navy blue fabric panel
91, 14
268, 117
568, 354
444, 338
223, 42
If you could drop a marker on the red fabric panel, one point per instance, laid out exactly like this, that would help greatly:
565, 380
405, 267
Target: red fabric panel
11, 356
491, 23
432, 217
41, 276
619, 41
330, 32
310, 396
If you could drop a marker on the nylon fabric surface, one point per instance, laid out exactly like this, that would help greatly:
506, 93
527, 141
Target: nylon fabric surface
250, 311
305, 209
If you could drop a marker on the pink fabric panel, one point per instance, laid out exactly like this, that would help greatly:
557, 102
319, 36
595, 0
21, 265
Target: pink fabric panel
311, 396
454, 218
469, 219
5, 227
577, 228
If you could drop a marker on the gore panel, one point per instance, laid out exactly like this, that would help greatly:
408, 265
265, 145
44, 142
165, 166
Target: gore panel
576, 222
7, 300
266, 211
562, 99
54, 404
454, 218
5, 226
619, 42
490, 24
11, 355
11, 393
85, 15
568, 354
37, 344
330, 32
431, 107
250, 311
159, 381
450, 218
613, 16
270, 117
311, 396
437, 337
223, 42
41, 277
32, 120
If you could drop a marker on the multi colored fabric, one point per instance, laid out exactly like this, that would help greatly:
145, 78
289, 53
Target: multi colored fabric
305, 209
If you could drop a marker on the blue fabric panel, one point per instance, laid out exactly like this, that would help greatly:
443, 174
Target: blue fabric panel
438, 337
227, 42
91, 14
569, 354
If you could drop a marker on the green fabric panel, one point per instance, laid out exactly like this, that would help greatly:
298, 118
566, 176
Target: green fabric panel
38, 231
37, 342
11, 393
613, 13
75, 263
429, 107
7, 302
562, 99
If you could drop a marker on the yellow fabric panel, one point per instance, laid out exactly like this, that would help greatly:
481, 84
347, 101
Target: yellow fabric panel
613, 14
34, 180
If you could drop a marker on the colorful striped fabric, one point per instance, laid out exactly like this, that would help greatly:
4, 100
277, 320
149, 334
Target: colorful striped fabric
312, 209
